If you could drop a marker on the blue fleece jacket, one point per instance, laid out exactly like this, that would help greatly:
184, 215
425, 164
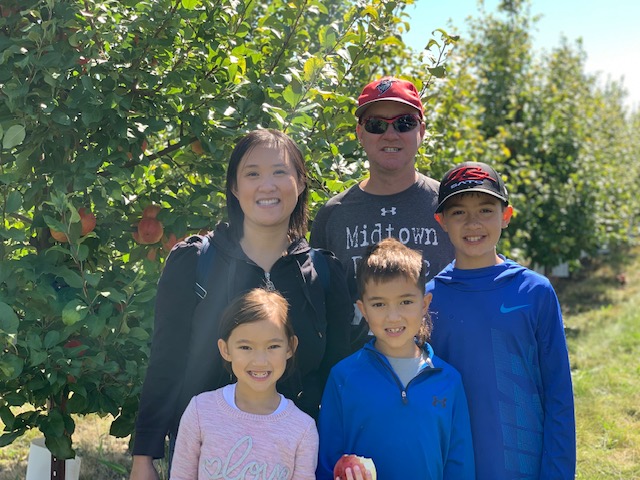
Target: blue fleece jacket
421, 431
501, 328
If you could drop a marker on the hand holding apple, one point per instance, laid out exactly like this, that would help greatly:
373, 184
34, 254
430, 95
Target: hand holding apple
345, 468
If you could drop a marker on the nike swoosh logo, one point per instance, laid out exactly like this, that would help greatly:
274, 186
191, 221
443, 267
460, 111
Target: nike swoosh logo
504, 309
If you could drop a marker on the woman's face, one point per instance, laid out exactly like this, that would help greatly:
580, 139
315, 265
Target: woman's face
267, 187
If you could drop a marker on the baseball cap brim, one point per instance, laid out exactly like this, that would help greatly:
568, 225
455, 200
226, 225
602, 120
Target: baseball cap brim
360, 110
440, 206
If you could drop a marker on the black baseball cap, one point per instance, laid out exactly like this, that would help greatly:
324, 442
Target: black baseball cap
471, 177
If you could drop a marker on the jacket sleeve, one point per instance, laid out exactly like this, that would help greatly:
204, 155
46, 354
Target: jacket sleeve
330, 430
559, 429
175, 304
339, 314
460, 464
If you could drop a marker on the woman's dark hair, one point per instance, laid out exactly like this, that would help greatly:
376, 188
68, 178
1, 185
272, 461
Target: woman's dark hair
253, 306
268, 138
389, 260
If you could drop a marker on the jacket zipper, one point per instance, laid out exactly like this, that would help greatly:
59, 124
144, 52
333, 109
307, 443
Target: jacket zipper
403, 389
267, 280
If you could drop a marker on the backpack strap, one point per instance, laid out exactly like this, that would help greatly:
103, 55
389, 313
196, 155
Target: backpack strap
322, 268
203, 268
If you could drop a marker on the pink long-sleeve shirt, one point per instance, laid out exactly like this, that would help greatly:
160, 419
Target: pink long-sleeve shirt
218, 441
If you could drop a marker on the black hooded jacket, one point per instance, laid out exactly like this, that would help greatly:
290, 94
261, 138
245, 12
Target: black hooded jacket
185, 360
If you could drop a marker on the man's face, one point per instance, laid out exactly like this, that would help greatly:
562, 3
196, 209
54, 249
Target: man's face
391, 152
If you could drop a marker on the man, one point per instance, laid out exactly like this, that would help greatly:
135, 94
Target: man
394, 200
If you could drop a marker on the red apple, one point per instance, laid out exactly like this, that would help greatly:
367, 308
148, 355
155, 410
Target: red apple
169, 242
150, 231
58, 236
73, 343
152, 254
151, 211
196, 147
350, 461
88, 221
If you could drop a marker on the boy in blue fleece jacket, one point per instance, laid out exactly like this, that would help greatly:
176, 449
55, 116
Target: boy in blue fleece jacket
394, 401
500, 325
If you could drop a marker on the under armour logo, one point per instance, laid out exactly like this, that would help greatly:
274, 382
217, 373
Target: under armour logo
384, 211
437, 401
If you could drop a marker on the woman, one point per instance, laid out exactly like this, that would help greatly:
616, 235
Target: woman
263, 245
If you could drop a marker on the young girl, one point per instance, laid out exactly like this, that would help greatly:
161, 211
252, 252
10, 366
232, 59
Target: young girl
247, 430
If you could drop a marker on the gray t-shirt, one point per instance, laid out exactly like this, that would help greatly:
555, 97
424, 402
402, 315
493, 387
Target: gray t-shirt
354, 219
408, 368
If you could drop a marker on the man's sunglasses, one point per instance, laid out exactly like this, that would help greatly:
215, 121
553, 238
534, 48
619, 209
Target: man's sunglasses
401, 123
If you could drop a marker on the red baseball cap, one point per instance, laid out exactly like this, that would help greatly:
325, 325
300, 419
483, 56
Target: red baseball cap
390, 89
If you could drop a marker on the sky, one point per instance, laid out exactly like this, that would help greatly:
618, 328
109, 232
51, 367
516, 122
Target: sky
608, 28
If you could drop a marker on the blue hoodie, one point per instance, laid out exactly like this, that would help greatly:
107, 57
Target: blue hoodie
501, 328
417, 431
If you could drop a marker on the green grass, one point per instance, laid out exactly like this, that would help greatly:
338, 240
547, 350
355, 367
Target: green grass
602, 319
604, 348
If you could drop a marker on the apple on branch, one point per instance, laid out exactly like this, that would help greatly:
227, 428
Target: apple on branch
150, 231
350, 461
87, 220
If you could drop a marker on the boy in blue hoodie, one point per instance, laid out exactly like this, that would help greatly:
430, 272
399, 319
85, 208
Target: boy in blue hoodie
393, 400
499, 324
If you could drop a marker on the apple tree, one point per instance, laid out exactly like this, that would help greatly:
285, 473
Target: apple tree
124, 113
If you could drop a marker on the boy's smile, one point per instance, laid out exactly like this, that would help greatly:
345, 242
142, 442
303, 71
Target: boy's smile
394, 310
474, 222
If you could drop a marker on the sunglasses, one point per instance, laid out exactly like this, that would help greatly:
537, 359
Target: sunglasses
401, 123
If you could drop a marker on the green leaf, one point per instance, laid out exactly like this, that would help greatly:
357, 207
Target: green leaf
60, 446
290, 96
51, 338
138, 333
61, 117
312, 68
8, 319
8, 438
189, 4
122, 426
438, 72
74, 311
72, 279
13, 137
11, 366
14, 202
7, 417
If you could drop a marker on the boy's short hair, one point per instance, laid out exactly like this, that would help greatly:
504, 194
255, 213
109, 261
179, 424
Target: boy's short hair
471, 177
388, 260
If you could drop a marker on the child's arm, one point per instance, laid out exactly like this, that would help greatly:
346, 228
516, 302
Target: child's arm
459, 464
330, 430
559, 430
307, 454
186, 456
